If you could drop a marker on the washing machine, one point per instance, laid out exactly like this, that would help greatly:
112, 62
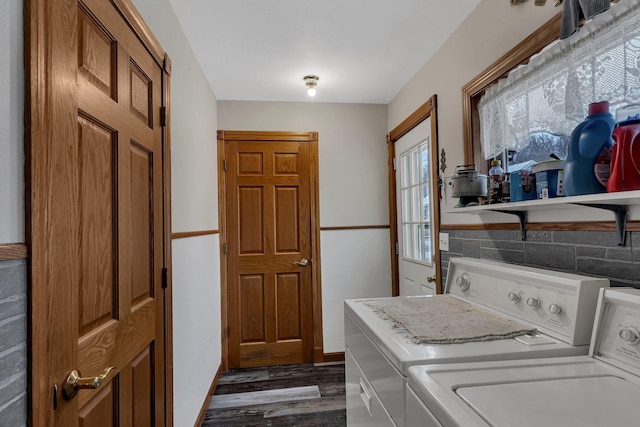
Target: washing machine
554, 309
598, 389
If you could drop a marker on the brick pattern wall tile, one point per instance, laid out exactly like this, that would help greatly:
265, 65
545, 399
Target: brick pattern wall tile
514, 257
592, 253
554, 257
14, 413
13, 343
593, 238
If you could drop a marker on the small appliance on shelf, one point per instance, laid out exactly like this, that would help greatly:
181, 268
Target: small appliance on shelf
468, 185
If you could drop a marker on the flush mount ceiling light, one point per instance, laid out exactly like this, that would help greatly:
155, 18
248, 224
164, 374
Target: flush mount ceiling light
311, 81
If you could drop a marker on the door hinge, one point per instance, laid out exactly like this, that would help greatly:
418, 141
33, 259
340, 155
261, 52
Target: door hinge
165, 277
224, 165
163, 116
226, 248
397, 248
395, 168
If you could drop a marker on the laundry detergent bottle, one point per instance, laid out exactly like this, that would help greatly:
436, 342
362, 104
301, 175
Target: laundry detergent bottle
625, 155
587, 167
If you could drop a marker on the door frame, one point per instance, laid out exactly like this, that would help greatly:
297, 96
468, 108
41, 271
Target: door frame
43, 122
426, 110
312, 139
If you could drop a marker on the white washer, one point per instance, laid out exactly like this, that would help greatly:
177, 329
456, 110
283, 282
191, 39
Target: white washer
599, 389
560, 305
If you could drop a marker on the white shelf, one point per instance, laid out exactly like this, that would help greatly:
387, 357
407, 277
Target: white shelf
617, 203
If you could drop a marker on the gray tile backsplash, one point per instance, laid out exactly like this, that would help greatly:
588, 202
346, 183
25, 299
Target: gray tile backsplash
592, 253
13, 343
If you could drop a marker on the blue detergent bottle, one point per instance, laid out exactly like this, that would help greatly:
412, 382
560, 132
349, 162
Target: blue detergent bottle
590, 140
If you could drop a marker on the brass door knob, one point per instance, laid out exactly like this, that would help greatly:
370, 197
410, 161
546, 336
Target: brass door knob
431, 279
302, 262
74, 382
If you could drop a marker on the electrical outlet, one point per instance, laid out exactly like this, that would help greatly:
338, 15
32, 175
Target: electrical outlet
444, 242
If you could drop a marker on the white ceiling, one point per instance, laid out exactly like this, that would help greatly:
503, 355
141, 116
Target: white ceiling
364, 51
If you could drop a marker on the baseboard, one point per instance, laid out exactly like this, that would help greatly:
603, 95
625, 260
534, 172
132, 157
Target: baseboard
207, 400
333, 357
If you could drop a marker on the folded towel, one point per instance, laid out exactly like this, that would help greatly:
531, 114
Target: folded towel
574, 10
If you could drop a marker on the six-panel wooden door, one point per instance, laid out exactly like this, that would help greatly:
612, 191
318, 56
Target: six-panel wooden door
96, 227
269, 253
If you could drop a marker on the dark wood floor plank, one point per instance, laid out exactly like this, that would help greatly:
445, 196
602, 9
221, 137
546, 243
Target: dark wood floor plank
325, 404
324, 419
252, 398
284, 381
328, 410
239, 376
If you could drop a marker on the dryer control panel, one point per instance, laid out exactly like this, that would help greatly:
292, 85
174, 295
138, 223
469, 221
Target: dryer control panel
559, 304
616, 336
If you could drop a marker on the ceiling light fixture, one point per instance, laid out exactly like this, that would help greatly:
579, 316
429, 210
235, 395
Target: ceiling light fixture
311, 81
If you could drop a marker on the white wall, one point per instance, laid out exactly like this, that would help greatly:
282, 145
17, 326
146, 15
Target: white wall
355, 264
352, 152
491, 30
196, 270
11, 123
353, 191
196, 333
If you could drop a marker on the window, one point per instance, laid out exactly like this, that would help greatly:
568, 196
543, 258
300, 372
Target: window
416, 210
535, 108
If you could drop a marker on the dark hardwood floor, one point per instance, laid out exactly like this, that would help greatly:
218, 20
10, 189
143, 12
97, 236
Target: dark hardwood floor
288, 395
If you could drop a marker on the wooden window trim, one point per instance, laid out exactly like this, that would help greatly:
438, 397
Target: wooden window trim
471, 93
473, 90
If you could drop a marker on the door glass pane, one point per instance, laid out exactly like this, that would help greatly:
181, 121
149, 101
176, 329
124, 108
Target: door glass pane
415, 204
425, 203
426, 239
425, 163
416, 167
408, 241
405, 170
416, 200
406, 205
417, 245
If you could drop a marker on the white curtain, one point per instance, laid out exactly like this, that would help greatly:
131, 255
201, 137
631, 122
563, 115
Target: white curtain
601, 62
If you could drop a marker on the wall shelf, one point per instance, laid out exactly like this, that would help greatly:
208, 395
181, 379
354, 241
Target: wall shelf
618, 203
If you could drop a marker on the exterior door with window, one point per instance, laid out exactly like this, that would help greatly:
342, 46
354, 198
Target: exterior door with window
416, 229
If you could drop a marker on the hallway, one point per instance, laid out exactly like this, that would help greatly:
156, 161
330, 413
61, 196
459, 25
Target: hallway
288, 395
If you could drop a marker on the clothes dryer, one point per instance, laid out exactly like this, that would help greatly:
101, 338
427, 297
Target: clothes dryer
598, 389
555, 310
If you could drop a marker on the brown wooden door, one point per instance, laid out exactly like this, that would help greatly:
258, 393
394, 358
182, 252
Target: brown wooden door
269, 234
96, 217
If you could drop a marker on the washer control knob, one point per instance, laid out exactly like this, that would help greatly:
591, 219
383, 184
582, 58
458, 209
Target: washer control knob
463, 282
555, 309
514, 296
533, 302
630, 335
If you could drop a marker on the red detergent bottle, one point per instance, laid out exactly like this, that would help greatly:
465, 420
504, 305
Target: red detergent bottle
625, 155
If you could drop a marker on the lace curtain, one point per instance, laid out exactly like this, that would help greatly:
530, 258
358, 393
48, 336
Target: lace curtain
601, 62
